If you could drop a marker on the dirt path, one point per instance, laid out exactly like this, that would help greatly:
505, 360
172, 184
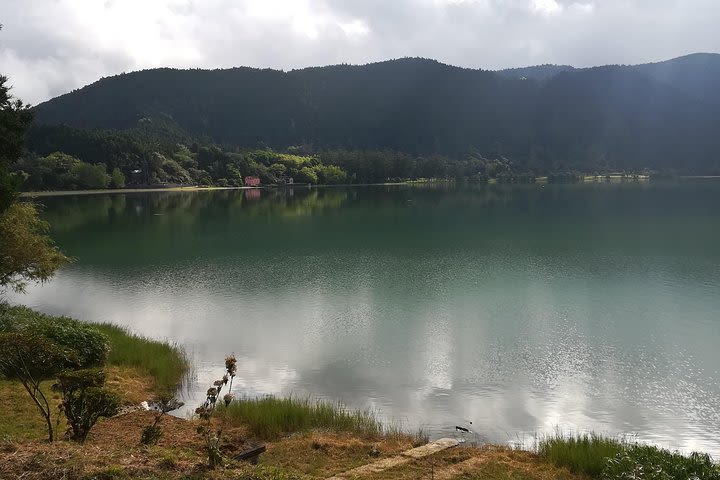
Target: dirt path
405, 457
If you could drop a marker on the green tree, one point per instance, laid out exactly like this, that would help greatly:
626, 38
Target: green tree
117, 179
307, 175
278, 169
90, 176
15, 119
331, 174
26, 252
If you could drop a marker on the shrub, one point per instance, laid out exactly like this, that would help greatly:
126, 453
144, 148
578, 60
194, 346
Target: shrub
90, 345
151, 434
581, 453
30, 359
84, 400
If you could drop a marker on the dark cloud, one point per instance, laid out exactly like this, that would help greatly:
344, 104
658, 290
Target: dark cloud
49, 47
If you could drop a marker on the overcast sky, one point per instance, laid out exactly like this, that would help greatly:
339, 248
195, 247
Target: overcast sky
49, 47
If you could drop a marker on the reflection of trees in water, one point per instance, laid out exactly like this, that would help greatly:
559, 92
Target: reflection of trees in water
68, 213
71, 212
296, 202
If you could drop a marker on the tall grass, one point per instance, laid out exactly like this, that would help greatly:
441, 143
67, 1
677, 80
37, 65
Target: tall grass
586, 453
651, 463
271, 417
165, 362
607, 458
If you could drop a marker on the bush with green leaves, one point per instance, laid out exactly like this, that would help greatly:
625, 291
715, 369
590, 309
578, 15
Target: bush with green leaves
84, 400
90, 346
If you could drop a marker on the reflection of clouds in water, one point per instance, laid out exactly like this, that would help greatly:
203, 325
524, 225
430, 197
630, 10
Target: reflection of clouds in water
512, 352
437, 353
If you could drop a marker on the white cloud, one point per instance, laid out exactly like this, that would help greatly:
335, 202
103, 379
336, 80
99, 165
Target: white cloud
356, 28
546, 6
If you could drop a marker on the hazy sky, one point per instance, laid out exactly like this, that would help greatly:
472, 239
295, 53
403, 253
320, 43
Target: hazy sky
49, 47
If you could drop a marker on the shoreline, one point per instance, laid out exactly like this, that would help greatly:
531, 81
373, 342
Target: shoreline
539, 180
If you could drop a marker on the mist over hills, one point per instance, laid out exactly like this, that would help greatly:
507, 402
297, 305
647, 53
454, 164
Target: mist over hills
659, 116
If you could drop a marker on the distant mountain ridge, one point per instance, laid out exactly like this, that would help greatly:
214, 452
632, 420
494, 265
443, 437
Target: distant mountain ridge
663, 115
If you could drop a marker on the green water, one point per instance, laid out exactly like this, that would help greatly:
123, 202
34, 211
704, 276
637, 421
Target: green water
520, 308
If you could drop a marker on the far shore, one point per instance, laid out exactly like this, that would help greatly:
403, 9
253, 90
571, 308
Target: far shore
53, 193
492, 181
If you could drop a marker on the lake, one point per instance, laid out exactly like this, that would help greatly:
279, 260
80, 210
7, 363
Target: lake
520, 308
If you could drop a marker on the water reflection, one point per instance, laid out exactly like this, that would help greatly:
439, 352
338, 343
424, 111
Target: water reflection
521, 309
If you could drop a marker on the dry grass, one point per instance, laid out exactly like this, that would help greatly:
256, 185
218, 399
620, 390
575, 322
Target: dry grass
113, 451
489, 463
19, 418
131, 384
323, 454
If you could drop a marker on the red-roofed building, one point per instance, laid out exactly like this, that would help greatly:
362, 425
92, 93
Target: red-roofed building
252, 181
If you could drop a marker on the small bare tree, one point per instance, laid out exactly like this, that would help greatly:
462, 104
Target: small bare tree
32, 359
207, 409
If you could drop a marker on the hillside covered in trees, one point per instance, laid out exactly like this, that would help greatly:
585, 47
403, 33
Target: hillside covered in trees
406, 118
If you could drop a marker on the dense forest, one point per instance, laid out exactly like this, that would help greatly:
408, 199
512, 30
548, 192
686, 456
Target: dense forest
399, 119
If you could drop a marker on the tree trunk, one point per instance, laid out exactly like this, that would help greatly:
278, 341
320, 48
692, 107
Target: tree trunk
44, 411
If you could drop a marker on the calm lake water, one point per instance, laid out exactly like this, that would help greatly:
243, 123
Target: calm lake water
523, 309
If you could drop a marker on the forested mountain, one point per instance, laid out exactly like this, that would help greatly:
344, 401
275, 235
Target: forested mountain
541, 119
537, 72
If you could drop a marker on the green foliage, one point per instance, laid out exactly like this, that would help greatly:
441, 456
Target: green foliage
15, 119
306, 175
271, 417
586, 454
644, 462
28, 254
88, 344
151, 435
25, 355
84, 400
117, 179
60, 171
90, 176
30, 358
330, 174
610, 459
165, 362
44, 346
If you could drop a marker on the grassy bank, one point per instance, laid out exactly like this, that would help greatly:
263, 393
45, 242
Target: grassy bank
587, 453
609, 458
272, 417
137, 368
164, 362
